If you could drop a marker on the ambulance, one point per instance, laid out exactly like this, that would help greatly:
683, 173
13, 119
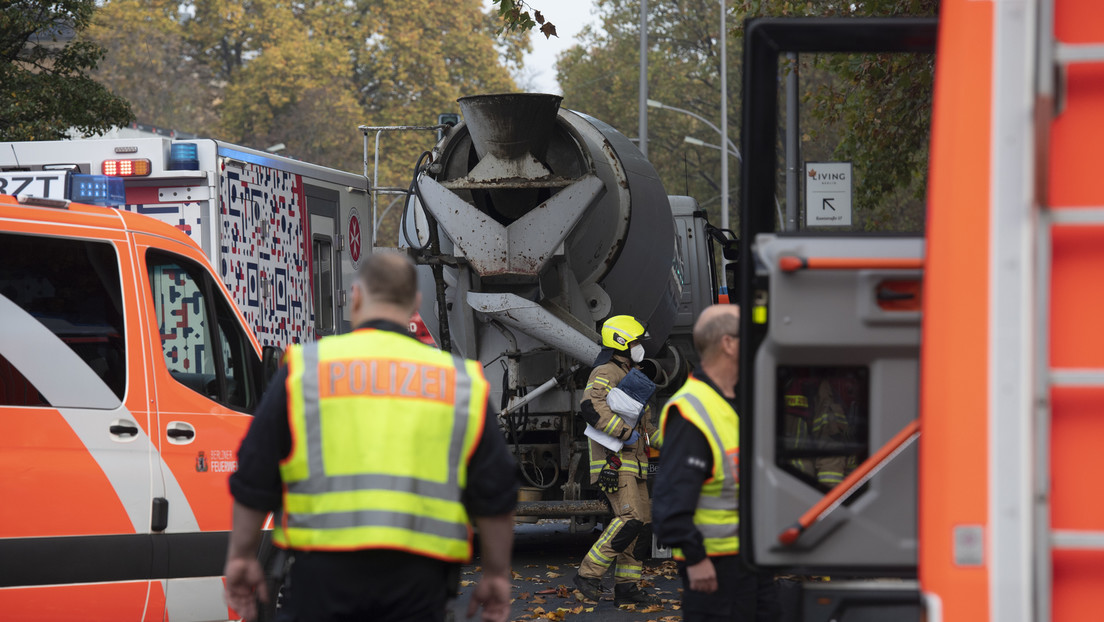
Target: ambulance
127, 375
285, 236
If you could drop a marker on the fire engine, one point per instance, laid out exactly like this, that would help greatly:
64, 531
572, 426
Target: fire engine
951, 375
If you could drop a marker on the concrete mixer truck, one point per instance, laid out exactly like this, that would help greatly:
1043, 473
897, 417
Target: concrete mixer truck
531, 224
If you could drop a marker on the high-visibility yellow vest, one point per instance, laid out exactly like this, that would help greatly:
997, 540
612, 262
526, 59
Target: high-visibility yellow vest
382, 430
717, 516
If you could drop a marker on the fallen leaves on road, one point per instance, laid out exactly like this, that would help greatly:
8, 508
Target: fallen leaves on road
576, 604
579, 596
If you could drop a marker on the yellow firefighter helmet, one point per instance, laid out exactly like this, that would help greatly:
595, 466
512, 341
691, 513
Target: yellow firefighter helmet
621, 330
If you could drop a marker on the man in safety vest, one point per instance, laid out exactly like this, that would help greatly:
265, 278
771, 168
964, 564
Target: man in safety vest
696, 508
374, 450
622, 475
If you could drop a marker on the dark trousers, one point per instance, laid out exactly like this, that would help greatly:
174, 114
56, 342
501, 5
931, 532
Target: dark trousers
380, 586
742, 595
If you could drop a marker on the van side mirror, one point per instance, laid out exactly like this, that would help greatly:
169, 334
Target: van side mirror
270, 363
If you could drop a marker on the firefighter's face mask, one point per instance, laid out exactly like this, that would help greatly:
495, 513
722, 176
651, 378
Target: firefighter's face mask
637, 353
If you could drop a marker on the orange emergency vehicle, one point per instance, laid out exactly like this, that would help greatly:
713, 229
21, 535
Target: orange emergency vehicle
959, 333
126, 378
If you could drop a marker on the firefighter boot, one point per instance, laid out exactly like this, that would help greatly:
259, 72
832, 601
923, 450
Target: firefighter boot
631, 594
590, 588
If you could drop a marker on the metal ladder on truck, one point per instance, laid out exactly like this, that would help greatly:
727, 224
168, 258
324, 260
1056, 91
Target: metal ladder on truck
1069, 335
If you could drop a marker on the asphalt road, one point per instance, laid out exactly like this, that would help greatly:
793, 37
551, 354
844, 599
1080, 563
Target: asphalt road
545, 557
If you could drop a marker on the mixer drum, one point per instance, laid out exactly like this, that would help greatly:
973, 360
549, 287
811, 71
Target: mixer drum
525, 188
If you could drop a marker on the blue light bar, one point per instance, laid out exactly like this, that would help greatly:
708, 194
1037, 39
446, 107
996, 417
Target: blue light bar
183, 157
97, 190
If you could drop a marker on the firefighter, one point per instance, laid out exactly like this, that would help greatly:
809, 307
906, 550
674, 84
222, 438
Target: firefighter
832, 435
696, 491
375, 449
798, 417
817, 425
622, 475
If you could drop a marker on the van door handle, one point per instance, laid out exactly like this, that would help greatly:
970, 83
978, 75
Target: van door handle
179, 432
123, 428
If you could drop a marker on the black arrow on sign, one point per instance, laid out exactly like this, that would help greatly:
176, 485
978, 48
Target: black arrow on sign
827, 204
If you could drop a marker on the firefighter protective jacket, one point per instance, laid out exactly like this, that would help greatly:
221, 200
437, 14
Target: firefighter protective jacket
380, 446
603, 379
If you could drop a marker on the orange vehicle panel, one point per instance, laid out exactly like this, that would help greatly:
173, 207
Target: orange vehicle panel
1076, 338
59, 488
98, 603
953, 459
77, 216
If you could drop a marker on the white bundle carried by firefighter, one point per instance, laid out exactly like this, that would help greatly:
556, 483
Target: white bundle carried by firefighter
628, 400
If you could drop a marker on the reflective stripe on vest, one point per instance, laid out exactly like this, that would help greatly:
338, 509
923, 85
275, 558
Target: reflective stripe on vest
369, 466
717, 515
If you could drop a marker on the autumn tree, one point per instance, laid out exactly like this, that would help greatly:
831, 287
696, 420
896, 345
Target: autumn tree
45, 86
151, 60
518, 15
872, 110
420, 57
307, 74
601, 77
296, 85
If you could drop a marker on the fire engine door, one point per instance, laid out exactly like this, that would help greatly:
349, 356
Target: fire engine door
325, 274
830, 286
835, 377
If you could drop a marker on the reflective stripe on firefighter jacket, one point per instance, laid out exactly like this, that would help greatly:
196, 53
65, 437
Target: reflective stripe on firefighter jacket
717, 516
369, 466
797, 427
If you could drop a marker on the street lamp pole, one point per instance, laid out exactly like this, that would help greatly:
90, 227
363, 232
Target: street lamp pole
643, 109
701, 143
724, 119
731, 145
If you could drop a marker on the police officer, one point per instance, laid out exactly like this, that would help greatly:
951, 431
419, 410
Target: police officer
622, 475
375, 450
696, 509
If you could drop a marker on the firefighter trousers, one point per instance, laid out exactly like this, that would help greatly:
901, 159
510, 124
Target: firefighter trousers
627, 539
